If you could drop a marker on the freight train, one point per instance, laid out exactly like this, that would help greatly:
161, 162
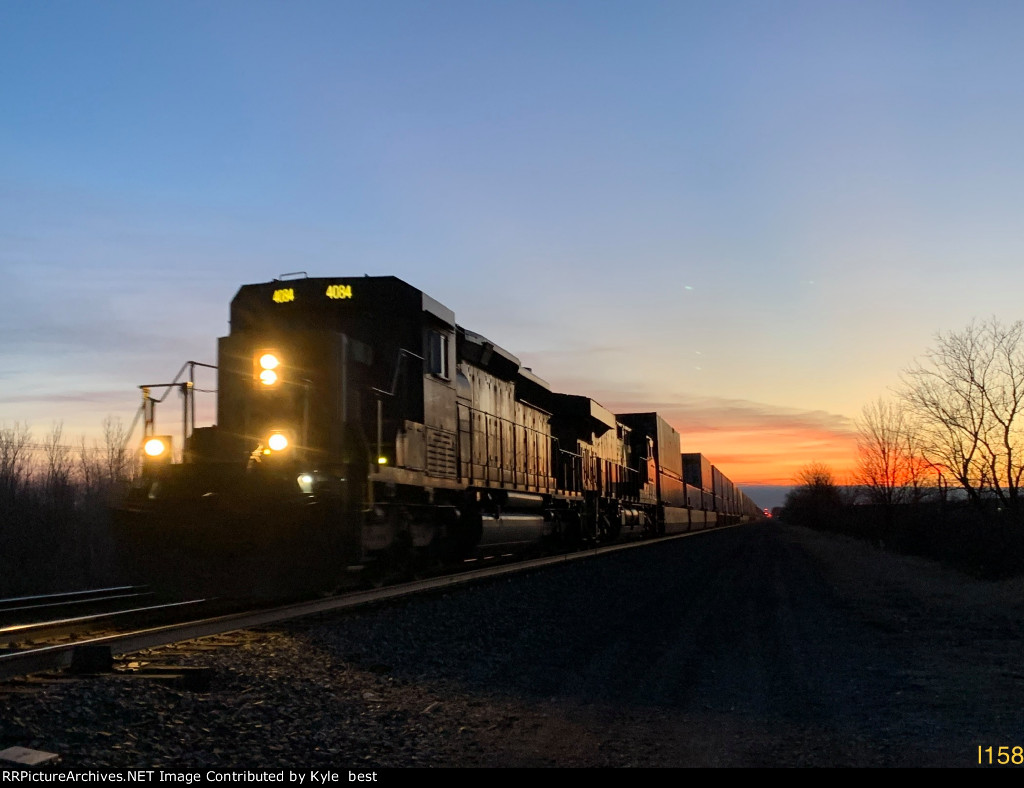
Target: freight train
360, 426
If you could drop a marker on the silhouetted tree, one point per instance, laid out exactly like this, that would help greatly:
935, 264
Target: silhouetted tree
15, 460
967, 396
816, 500
54, 520
891, 468
101, 468
119, 465
58, 469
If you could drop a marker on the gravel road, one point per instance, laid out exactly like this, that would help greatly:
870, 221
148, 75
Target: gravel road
752, 646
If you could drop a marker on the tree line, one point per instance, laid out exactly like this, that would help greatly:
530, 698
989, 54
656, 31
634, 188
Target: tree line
54, 498
956, 421
944, 451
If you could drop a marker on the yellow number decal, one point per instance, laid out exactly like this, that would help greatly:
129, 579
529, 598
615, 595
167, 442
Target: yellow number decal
339, 291
282, 296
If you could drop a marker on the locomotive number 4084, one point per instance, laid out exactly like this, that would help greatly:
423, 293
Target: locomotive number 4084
339, 291
336, 292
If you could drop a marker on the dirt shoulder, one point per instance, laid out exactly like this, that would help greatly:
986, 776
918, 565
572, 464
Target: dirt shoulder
819, 651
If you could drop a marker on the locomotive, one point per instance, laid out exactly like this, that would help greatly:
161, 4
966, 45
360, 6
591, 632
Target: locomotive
359, 427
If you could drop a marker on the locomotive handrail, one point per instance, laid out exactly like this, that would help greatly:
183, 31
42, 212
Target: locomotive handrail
191, 365
146, 409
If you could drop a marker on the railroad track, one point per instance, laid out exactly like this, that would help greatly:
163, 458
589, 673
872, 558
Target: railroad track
87, 652
50, 623
47, 616
26, 609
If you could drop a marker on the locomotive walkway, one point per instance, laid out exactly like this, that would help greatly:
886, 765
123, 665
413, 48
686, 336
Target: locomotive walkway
751, 646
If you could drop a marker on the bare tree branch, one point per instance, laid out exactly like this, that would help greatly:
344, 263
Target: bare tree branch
890, 466
14, 459
966, 398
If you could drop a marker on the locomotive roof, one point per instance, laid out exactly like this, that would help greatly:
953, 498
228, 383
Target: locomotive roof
479, 350
339, 289
323, 289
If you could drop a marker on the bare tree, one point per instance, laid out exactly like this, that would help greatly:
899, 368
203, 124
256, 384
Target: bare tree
816, 475
967, 396
54, 532
101, 468
58, 468
890, 466
15, 445
90, 474
115, 448
816, 500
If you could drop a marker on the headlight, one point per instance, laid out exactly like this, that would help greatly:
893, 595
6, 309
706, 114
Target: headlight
156, 447
277, 441
267, 368
269, 361
305, 481
156, 451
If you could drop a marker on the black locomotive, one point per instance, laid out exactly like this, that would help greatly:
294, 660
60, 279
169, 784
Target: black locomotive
359, 426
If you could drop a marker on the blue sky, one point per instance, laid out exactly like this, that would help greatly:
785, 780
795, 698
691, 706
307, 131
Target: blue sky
751, 215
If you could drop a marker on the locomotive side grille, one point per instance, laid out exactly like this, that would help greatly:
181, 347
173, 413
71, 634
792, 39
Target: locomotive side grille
441, 454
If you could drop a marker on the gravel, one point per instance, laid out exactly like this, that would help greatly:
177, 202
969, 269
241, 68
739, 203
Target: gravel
756, 646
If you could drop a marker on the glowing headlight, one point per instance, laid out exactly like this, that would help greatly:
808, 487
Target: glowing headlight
278, 441
265, 364
305, 481
154, 447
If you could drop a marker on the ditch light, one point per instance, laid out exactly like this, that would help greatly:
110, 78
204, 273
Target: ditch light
156, 450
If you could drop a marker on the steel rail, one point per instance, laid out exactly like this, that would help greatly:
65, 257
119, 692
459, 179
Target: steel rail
59, 657
69, 603
44, 599
34, 628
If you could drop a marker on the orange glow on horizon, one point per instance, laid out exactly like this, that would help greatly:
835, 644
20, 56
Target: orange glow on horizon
752, 457
754, 443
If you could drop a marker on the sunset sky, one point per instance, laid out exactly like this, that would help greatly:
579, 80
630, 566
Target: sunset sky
749, 216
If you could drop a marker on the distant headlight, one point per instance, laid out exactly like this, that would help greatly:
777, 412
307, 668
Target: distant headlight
277, 442
305, 481
269, 361
268, 377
